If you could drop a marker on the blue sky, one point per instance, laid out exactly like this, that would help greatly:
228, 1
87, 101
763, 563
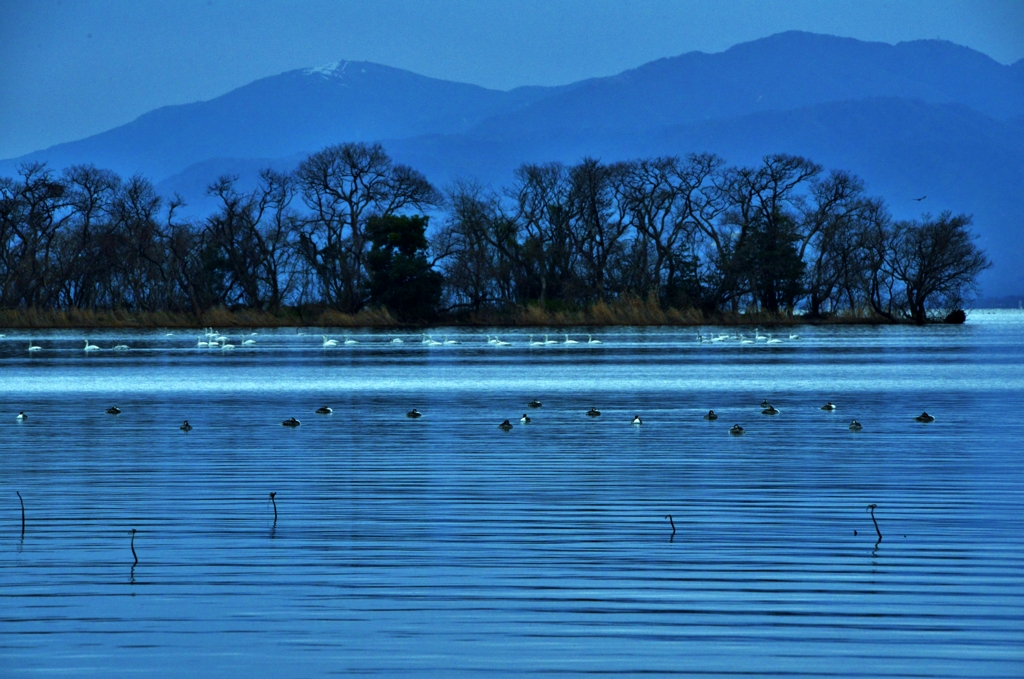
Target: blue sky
71, 68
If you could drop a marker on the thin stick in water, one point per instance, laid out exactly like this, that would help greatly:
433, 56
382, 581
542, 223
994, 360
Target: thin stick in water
133, 547
671, 522
871, 508
275, 506
22, 513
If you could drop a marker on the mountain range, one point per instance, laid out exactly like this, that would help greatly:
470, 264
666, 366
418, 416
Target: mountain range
917, 118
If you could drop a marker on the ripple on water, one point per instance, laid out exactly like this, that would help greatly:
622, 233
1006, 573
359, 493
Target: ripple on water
445, 547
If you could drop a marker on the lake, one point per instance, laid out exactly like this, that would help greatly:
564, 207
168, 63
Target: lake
445, 547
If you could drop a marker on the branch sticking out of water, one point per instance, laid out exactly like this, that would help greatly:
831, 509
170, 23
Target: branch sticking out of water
133, 548
275, 506
673, 524
22, 514
871, 508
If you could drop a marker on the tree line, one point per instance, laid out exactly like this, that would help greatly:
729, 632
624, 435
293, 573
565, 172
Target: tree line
351, 229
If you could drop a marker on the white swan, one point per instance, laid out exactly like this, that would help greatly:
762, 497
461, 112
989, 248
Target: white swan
744, 340
758, 336
201, 343
538, 343
549, 341
492, 340
448, 341
120, 347
501, 343
591, 340
330, 342
397, 340
248, 343
431, 342
771, 340
227, 347
794, 336
33, 347
351, 341
569, 341
90, 347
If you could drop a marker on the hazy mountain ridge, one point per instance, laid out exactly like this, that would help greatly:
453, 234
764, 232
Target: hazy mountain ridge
781, 72
287, 113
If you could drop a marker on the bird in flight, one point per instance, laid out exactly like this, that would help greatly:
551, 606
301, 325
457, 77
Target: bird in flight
920, 199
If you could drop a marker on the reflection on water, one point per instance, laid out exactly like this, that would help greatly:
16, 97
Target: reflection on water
364, 541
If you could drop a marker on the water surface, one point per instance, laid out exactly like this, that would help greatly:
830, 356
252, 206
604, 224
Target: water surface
444, 547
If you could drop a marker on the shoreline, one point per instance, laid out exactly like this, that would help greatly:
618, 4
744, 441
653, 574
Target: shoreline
638, 314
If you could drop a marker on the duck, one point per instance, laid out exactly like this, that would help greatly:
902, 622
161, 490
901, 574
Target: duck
534, 404
736, 430
525, 419
505, 426
290, 422
414, 413
637, 421
593, 412
186, 427
711, 417
770, 410
324, 410
113, 410
591, 340
828, 406
34, 347
21, 416
90, 347
924, 417
856, 426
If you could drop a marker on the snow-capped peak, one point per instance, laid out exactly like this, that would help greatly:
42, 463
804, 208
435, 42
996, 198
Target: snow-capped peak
334, 68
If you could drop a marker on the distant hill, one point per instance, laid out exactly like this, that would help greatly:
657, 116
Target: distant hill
923, 117
281, 115
784, 71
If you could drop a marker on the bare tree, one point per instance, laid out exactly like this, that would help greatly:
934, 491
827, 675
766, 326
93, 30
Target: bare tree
342, 187
256, 232
937, 262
